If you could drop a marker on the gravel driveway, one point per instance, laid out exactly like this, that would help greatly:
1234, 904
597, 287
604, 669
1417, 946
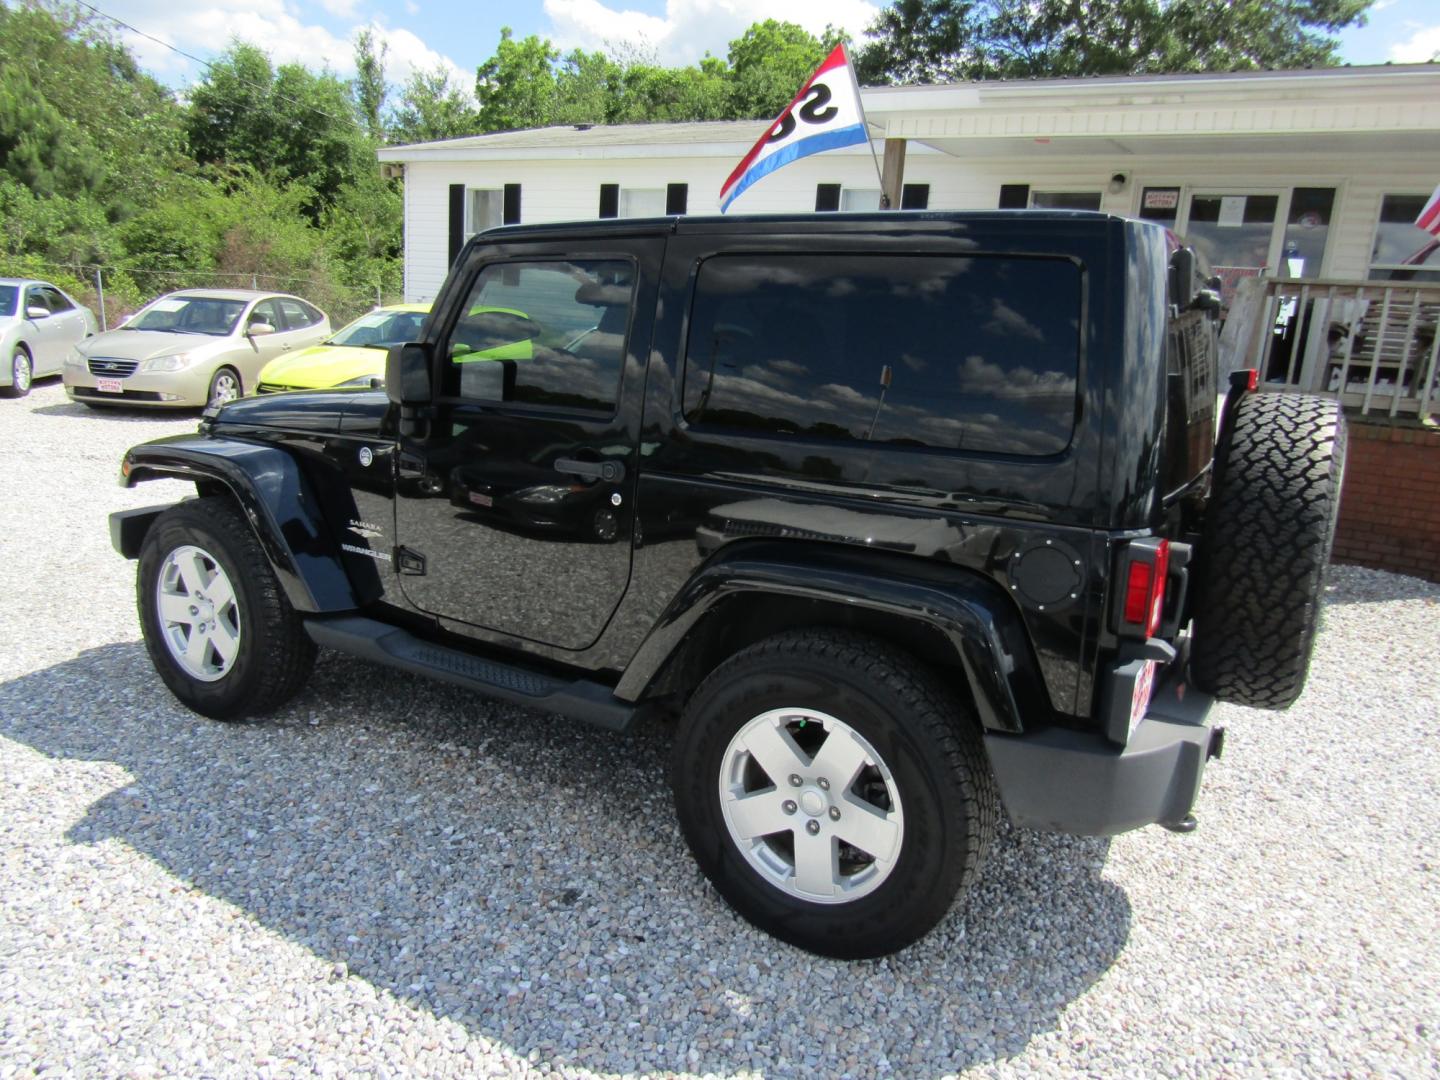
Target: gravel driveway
394, 878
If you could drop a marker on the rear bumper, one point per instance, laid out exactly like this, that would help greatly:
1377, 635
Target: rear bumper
1059, 780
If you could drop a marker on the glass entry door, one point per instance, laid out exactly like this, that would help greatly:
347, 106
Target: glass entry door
1280, 233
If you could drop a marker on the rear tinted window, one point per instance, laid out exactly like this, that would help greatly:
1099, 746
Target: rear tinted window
973, 353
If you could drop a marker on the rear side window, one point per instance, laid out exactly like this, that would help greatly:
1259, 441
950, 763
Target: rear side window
977, 353
298, 315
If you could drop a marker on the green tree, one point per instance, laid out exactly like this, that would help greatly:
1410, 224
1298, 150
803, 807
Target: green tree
516, 86
369, 87
287, 122
76, 113
432, 107
941, 40
770, 62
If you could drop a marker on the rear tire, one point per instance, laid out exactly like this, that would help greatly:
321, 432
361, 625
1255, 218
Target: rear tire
217, 625
894, 807
1268, 535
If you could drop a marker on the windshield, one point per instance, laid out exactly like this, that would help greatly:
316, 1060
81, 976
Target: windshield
190, 315
381, 329
8, 295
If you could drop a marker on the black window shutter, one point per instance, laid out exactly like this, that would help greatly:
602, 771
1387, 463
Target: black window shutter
457, 221
915, 197
827, 197
609, 200
676, 196
512, 204
1014, 196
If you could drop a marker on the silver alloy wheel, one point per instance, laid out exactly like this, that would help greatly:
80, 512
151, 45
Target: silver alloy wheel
811, 806
199, 617
224, 387
20, 374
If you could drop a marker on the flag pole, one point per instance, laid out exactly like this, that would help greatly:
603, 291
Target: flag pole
879, 172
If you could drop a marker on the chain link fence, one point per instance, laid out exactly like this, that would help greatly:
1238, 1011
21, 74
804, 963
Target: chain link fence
114, 292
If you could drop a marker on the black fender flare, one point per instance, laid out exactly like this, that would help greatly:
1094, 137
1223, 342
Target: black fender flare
273, 494
973, 615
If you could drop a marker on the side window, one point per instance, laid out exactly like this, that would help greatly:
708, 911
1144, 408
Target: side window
297, 317
1403, 251
56, 299
1065, 200
35, 297
960, 353
544, 333
266, 312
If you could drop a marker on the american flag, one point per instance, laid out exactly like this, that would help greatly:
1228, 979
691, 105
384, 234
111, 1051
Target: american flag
1429, 218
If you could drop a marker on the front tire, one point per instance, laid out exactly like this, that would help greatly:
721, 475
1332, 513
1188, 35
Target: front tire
22, 374
225, 386
217, 625
833, 791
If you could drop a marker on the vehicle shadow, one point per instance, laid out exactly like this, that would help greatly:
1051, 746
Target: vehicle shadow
115, 412
517, 873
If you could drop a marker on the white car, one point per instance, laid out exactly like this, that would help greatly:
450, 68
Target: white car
40, 326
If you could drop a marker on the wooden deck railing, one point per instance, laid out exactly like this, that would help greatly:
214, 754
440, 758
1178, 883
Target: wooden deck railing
1372, 344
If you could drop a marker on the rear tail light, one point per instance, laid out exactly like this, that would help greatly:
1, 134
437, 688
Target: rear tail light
1145, 565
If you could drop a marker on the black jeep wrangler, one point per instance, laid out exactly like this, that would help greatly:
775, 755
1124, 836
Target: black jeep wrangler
906, 516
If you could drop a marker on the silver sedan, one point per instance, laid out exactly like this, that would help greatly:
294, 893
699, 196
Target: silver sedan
40, 326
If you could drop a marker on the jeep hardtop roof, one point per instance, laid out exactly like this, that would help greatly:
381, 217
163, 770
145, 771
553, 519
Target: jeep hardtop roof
828, 222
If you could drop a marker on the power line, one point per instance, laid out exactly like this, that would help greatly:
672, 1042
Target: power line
210, 68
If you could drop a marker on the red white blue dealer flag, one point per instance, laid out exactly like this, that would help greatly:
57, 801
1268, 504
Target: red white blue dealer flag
824, 115
1429, 218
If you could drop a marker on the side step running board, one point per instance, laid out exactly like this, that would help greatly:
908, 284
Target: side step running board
384, 644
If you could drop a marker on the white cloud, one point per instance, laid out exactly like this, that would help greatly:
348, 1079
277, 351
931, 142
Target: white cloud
407, 54
1423, 45
204, 31
341, 9
690, 28
276, 27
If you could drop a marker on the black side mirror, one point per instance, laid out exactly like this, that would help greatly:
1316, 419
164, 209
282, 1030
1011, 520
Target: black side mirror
1182, 278
407, 374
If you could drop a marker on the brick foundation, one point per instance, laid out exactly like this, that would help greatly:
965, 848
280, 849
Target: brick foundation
1390, 505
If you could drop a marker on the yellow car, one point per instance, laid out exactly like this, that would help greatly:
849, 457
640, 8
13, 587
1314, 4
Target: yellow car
355, 356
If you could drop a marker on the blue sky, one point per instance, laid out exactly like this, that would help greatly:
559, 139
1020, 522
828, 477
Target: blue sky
427, 33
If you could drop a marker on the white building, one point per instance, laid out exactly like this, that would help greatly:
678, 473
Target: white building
1314, 174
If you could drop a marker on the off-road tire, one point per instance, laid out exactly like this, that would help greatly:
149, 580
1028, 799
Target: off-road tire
275, 654
1267, 538
926, 737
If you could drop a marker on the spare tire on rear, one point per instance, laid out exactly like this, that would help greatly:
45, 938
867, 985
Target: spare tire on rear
1268, 533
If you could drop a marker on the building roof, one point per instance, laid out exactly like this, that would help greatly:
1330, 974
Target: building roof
1394, 100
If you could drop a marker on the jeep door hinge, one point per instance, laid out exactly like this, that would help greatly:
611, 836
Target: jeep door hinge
410, 562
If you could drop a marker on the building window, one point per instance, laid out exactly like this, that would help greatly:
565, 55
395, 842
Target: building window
1065, 200
1402, 250
642, 202
859, 198
484, 209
